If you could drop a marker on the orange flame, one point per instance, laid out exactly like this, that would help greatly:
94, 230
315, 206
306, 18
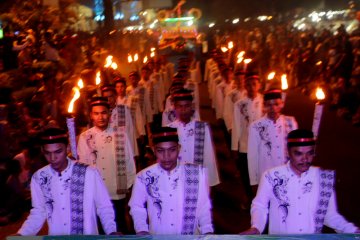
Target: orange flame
75, 97
145, 59
80, 84
230, 45
108, 61
271, 76
130, 59
98, 78
241, 54
136, 57
320, 95
224, 49
284, 83
248, 60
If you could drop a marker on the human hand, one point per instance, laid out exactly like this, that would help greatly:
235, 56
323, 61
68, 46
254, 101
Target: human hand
250, 231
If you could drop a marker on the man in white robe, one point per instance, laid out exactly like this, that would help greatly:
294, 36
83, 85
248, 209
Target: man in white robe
195, 138
267, 137
160, 201
297, 198
66, 194
246, 111
110, 149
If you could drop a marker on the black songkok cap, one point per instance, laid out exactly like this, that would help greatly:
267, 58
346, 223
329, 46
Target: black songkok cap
120, 80
108, 87
239, 72
53, 135
272, 94
165, 134
134, 74
300, 137
145, 67
99, 101
182, 95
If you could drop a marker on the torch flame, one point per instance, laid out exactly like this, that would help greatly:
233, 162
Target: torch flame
98, 78
114, 65
248, 60
241, 54
130, 59
318, 63
80, 84
230, 45
75, 97
152, 54
320, 95
152, 49
145, 59
240, 60
271, 76
108, 61
224, 49
136, 57
284, 83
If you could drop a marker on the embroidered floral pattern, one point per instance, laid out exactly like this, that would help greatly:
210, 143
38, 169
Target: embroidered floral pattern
151, 183
307, 187
44, 179
279, 184
264, 136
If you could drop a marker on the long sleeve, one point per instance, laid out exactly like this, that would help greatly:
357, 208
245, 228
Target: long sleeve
336, 221
235, 132
210, 159
228, 113
253, 155
139, 121
137, 206
204, 205
37, 216
103, 204
83, 150
260, 205
219, 101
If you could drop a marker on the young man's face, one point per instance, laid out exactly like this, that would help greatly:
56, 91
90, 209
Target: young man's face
167, 154
252, 86
134, 80
273, 108
110, 95
100, 116
120, 89
145, 74
301, 158
55, 154
184, 110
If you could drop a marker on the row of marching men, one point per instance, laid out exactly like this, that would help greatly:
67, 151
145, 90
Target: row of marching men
123, 120
253, 122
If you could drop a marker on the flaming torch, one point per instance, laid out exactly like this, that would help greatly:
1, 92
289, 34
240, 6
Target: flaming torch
271, 76
319, 107
145, 60
246, 62
97, 83
70, 122
284, 86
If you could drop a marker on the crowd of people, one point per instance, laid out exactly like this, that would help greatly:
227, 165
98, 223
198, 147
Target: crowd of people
145, 161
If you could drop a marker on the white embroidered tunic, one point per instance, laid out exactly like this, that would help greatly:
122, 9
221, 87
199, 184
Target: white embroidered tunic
97, 148
136, 115
246, 111
230, 99
291, 202
50, 197
163, 195
267, 145
142, 99
186, 134
221, 90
